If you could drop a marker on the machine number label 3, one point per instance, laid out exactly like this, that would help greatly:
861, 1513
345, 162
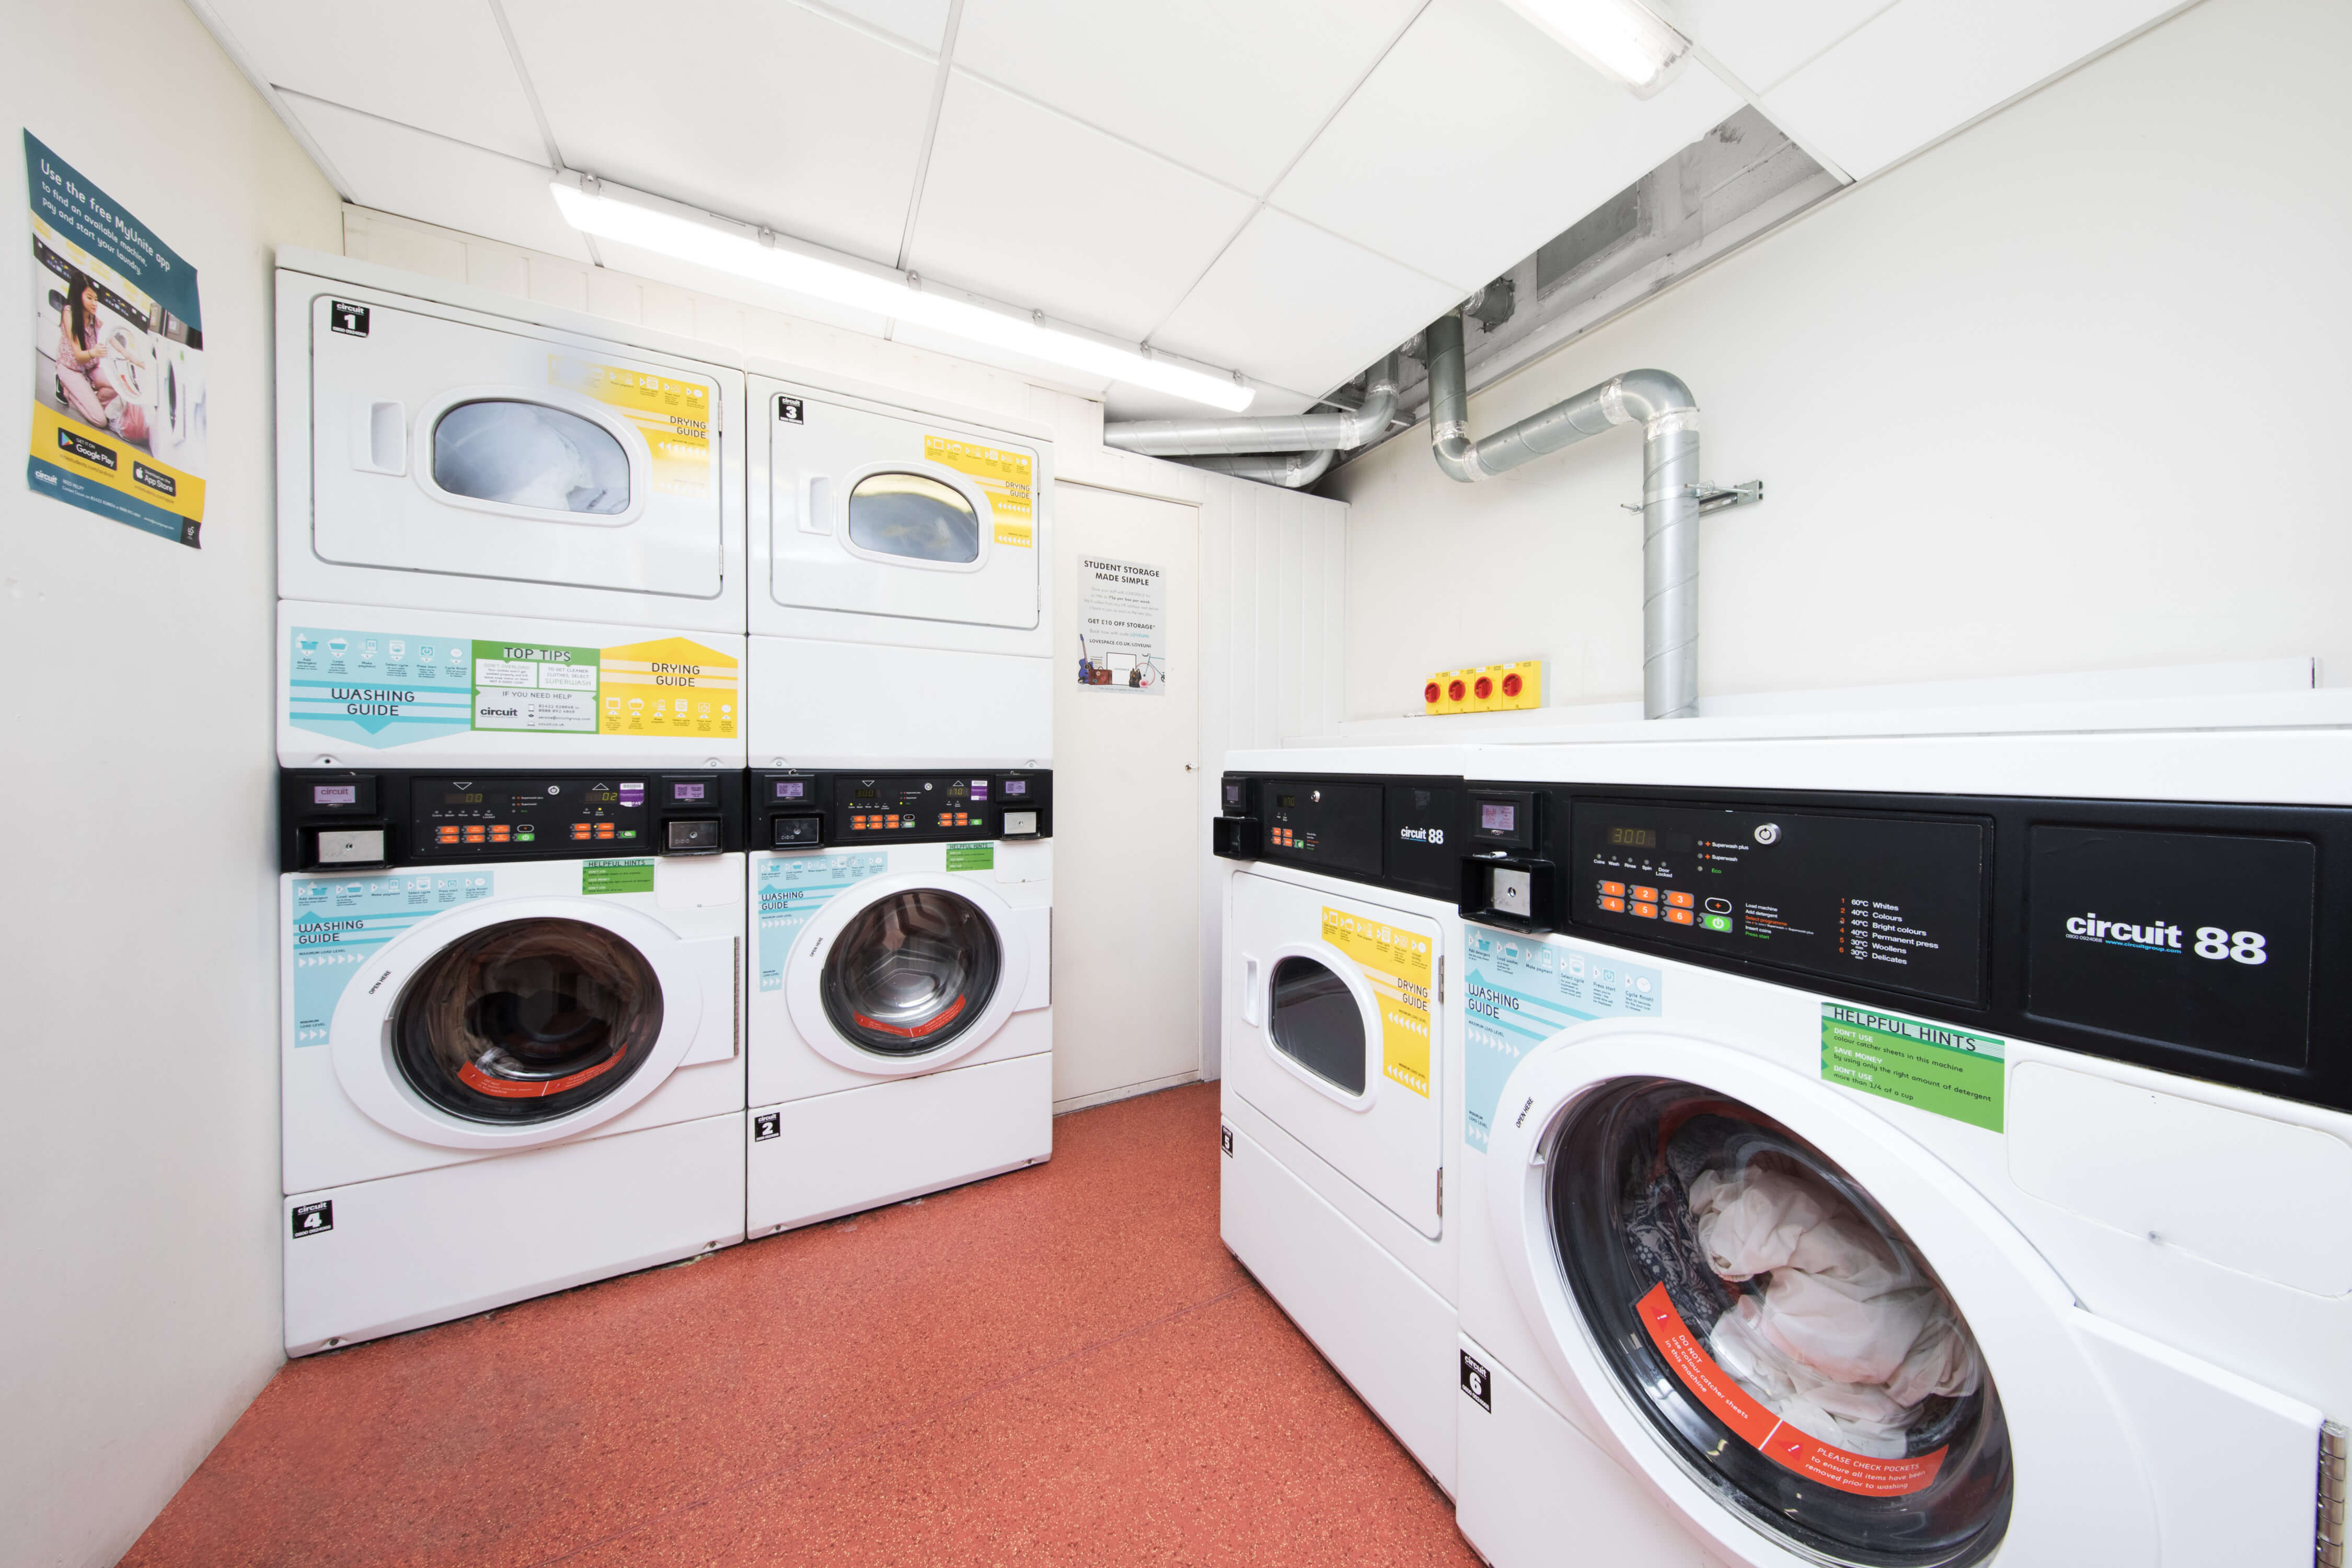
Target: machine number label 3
1521, 991
791, 888
1397, 963
1933, 1067
1006, 477
338, 921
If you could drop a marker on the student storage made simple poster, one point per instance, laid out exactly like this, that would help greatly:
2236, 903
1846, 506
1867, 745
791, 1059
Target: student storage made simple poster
1122, 626
117, 359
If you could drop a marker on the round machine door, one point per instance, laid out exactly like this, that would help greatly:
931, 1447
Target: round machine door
903, 974
507, 1025
1322, 1022
1812, 1337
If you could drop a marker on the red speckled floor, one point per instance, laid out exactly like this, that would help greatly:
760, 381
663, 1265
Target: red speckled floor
1063, 1365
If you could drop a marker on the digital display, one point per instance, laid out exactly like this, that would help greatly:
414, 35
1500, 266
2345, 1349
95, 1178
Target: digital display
689, 791
1286, 801
334, 794
1632, 838
605, 796
1016, 786
865, 794
1498, 817
468, 797
1233, 795
791, 789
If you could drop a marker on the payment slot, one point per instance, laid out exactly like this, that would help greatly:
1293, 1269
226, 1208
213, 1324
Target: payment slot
1505, 880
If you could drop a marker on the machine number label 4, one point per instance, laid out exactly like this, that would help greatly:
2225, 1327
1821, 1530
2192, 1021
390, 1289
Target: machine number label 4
314, 1219
1933, 1067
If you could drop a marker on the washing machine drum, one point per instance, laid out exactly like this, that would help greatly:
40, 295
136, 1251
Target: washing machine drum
1783, 1337
527, 1021
911, 972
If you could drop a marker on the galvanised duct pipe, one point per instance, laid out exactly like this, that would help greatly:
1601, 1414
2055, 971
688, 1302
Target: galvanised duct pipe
1281, 433
1670, 500
1291, 470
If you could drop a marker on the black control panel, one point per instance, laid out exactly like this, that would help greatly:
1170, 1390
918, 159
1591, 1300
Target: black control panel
1401, 833
2196, 938
340, 820
801, 810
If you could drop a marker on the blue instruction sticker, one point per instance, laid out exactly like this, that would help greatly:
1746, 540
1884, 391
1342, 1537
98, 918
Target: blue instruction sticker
794, 887
1523, 990
339, 922
379, 688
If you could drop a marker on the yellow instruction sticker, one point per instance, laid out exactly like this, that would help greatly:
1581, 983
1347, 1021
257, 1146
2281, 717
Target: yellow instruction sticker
1396, 961
1008, 477
673, 416
672, 687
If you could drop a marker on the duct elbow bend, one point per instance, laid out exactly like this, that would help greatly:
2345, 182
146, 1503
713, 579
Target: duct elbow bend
1648, 395
1457, 454
1373, 418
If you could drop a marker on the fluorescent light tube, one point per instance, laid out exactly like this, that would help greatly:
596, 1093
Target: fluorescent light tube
1620, 38
652, 224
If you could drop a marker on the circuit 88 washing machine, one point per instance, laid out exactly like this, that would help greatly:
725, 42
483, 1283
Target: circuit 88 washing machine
1912, 1152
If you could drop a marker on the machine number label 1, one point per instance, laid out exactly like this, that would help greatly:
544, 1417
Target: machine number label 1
1933, 1067
1396, 961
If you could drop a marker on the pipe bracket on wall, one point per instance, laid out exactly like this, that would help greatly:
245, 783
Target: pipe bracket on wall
1715, 498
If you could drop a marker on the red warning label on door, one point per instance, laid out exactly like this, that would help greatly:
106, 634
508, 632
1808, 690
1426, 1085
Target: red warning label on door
1782, 1444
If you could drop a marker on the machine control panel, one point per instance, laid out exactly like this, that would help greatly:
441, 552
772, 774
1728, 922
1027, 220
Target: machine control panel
336, 818
794, 810
1401, 832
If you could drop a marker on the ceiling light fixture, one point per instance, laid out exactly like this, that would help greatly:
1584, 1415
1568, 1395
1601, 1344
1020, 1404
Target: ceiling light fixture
650, 222
1622, 39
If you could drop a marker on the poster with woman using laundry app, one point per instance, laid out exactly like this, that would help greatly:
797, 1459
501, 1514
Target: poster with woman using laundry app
117, 359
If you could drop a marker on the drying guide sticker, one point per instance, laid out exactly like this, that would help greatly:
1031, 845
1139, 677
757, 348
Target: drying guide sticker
1519, 991
339, 922
373, 688
1006, 477
792, 887
673, 416
1396, 961
1933, 1067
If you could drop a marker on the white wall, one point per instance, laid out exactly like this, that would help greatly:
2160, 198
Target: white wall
2065, 393
139, 1298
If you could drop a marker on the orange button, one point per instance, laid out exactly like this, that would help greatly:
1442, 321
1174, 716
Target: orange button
1647, 895
603, 830
1612, 890
579, 830
448, 836
500, 833
1614, 906
1679, 900
1680, 917
1648, 911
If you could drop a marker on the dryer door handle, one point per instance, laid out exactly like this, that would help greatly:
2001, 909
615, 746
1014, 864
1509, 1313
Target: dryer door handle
380, 436
1252, 1014
816, 504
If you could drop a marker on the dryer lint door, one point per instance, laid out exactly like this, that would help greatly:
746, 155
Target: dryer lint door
891, 517
1336, 1024
457, 444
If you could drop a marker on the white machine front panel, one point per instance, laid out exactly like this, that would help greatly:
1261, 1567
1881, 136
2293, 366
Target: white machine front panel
460, 459
852, 705
1334, 1034
422, 689
884, 525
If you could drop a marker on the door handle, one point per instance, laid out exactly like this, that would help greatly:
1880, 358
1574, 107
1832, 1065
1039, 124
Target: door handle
380, 442
816, 504
1252, 1014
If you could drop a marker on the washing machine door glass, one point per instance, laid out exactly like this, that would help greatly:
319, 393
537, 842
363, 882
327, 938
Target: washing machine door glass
524, 454
914, 518
1313, 1019
528, 1020
1786, 1340
910, 972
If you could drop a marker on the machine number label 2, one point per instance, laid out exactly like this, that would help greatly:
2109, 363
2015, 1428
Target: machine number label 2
1910, 1061
1397, 963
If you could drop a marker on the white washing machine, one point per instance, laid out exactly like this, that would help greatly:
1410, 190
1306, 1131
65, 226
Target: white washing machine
510, 1035
901, 1005
901, 566
1340, 1147
1916, 1151
442, 448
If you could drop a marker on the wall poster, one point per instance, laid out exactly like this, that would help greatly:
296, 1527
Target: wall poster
117, 359
1122, 626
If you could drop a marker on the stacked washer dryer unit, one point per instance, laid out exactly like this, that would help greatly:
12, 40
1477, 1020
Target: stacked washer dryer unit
511, 569
1911, 1152
1339, 1142
901, 802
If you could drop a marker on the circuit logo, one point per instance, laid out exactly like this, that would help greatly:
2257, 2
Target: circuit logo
1423, 835
2212, 942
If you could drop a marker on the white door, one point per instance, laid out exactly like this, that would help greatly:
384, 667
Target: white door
1333, 1043
447, 442
889, 526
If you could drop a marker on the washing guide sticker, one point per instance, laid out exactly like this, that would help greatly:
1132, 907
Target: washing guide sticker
380, 689
1007, 478
338, 921
794, 887
1519, 991
1933, 1067
1396, 961
673, 416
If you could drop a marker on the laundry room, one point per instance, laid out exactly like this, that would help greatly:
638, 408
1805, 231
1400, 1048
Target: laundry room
1553, 783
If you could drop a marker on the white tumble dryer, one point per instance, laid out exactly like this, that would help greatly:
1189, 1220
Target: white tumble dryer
901, 571
1335, 1193
443, 447
1932, 1150
901, 1009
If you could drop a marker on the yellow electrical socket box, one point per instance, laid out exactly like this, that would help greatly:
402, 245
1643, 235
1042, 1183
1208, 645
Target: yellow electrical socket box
1488, 689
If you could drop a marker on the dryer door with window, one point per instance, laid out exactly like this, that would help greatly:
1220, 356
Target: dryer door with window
1335, 1034
449, 443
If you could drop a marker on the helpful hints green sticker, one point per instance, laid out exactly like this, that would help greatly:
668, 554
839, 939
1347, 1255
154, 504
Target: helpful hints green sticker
1933, 1067
972, 856
616, 876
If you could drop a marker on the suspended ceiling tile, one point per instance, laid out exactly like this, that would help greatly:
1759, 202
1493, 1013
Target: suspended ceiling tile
1301, 308
1232, 88
922, 23
759, 111
1478, 139
1033, 208
1761, 41
434, 180
1928, 67
439, 65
